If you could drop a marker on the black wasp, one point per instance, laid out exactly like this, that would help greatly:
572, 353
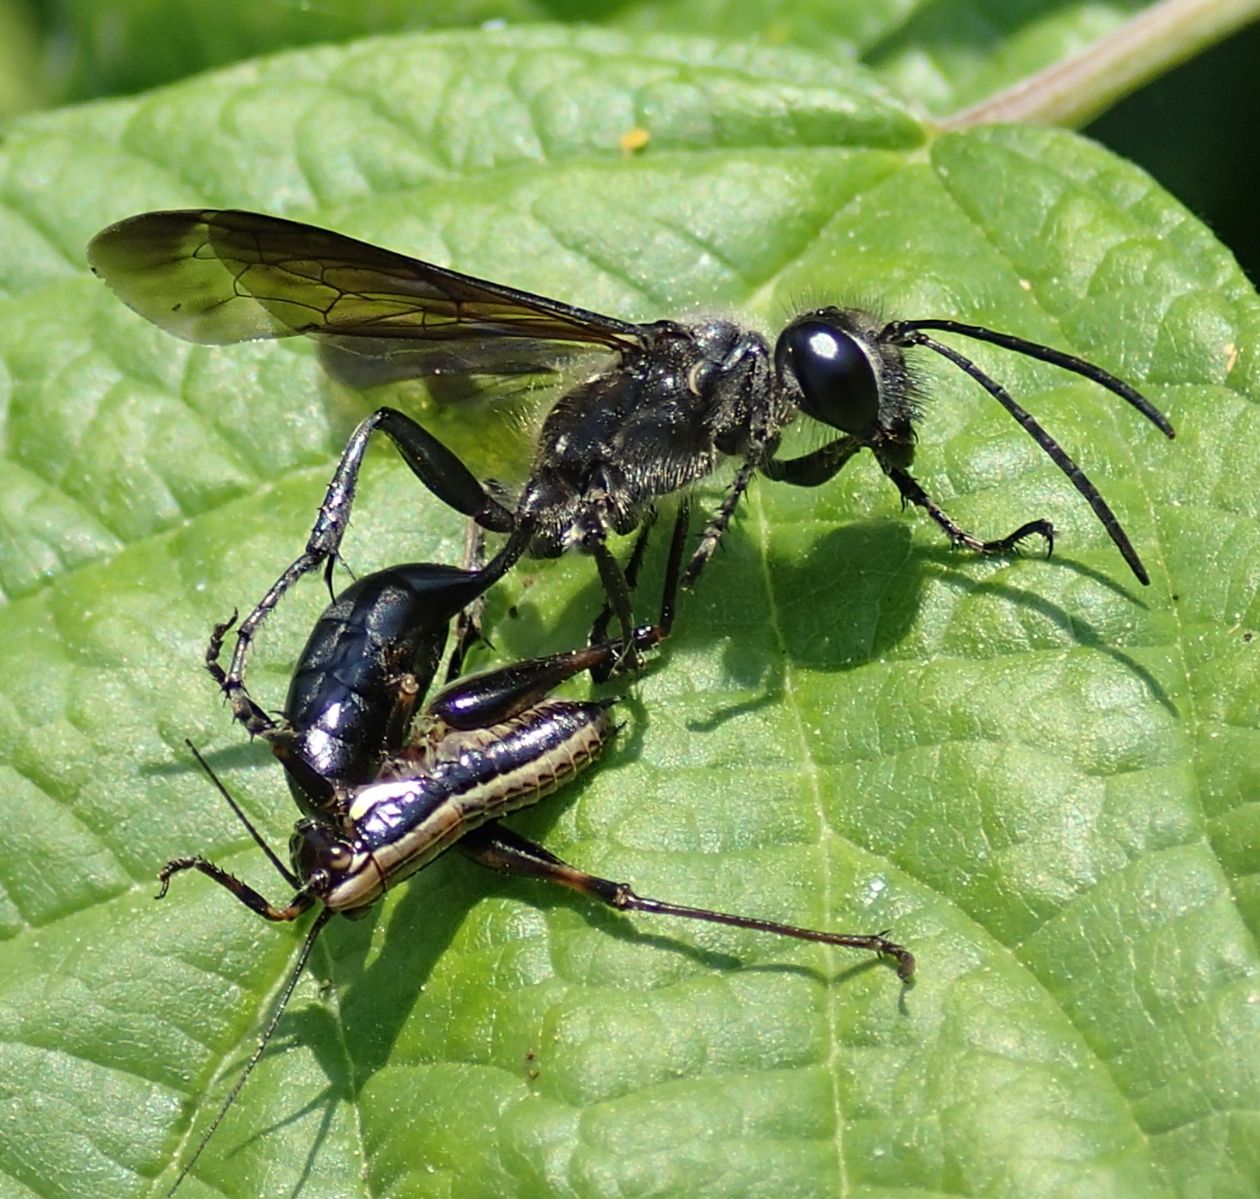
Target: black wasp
664, 405
384, 794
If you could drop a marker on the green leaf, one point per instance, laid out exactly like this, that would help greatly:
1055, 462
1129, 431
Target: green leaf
128, 45
21, 84
945, 54
1037, 774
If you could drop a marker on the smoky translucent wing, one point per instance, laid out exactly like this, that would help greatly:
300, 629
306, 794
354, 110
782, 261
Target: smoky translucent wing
221, 276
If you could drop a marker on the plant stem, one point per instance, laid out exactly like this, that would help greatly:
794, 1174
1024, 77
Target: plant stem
1076, 90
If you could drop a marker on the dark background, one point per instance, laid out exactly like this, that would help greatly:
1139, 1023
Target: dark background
1196, 130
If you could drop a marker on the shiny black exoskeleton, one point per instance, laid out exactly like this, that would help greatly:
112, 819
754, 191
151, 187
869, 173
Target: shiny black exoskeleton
371, 656
666, 403
486, 745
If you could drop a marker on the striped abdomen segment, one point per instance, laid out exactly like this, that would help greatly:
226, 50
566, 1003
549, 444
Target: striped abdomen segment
468, 778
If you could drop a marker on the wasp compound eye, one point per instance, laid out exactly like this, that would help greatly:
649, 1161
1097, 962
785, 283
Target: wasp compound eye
838, 381
655, 408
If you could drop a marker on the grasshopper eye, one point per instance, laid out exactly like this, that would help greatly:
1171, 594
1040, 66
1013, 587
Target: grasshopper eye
337, 857
838, 380
318, 851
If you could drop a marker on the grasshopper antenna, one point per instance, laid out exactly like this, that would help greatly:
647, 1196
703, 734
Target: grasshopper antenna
285, 995
256, 1056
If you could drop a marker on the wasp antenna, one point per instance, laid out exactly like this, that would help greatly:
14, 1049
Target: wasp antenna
912, 336
1034, 349
254, 1058
285, 873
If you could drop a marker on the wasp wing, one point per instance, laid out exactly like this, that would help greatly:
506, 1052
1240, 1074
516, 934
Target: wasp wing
223, 276
364, 362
